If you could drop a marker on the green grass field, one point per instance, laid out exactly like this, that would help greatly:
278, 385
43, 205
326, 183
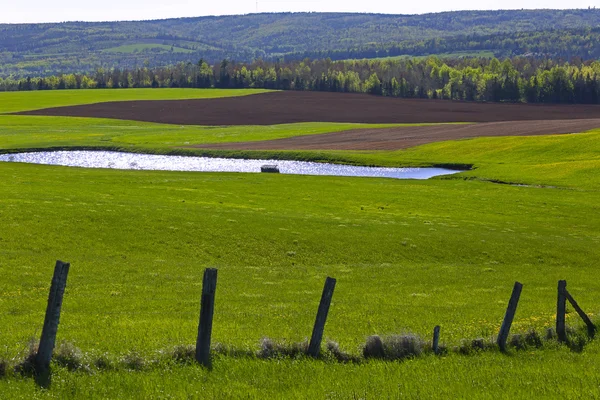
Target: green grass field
408, 255
25, 101
21, 132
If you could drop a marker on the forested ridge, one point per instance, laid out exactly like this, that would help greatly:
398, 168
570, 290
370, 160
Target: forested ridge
77, 47
563, 44
518, 79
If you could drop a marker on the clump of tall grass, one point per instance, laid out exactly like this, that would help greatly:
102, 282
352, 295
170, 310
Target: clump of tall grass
393, 347
273, 349
334, 349
184, 354
103, 362
533, 339
231, 351
134, 361
467, 347
27, 366
69, 356
4, 367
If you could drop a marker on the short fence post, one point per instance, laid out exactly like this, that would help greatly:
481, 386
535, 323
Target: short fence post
48, 339
590, 325
317, 335
436, 340
207, 308
509, 316
561, 308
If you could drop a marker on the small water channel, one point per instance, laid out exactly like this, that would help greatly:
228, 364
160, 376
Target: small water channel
117, 160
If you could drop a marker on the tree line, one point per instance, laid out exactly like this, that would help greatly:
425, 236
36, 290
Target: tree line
518, 79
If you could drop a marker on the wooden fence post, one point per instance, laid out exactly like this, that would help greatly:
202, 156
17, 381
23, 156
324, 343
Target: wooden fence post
509, 316
436, 340
207, 308
48, 339
317, 335
590, 325
561, 308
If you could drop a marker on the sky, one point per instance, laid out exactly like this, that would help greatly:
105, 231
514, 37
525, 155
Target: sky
118, 10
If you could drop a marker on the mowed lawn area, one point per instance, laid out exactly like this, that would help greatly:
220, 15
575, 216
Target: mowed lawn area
407, 255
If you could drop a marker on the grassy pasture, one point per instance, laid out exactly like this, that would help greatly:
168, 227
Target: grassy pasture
407, 255
24, 101
21, 132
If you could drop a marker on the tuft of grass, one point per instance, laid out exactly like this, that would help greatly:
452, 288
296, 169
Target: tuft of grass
373, 347
103, 362
468, 347
183, 353
233, 351
4, 367
393, 347
134, 361
66, 354
518, 342
533, 339
270, 348
27, 366
334, 349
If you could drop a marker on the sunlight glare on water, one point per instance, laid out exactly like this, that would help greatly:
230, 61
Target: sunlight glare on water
117, 160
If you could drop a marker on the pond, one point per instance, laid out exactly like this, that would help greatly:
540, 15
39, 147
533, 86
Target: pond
117, 160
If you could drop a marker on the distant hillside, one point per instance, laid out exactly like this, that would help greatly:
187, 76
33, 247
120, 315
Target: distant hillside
44, 49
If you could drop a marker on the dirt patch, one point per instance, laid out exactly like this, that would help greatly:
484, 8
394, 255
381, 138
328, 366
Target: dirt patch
404, 137
290, 107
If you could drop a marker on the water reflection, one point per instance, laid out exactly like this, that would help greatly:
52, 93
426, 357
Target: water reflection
116, 160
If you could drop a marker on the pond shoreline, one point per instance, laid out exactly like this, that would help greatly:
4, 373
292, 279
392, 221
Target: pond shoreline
142, 161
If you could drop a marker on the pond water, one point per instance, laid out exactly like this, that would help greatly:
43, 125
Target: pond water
117, 160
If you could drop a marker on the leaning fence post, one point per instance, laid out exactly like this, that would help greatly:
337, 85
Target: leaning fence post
207, 307
48, 339
590, 325
436, 340
561, 308
317, 335
509, 316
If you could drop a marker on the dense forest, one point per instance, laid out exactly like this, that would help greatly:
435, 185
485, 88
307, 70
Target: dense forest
563, 44
78, 47
518, 79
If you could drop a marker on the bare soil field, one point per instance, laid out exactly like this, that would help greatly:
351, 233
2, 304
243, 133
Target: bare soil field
409, 136
290, 107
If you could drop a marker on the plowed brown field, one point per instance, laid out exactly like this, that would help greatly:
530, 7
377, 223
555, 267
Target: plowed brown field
290, 106
494, 119
409, 136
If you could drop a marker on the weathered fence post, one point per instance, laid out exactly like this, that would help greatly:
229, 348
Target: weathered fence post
48, 339
561, 308
509, 316
436, 340
590, 325
207, 308
317, 335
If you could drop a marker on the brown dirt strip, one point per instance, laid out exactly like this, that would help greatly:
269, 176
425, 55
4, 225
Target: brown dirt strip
290, 107
404, 137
